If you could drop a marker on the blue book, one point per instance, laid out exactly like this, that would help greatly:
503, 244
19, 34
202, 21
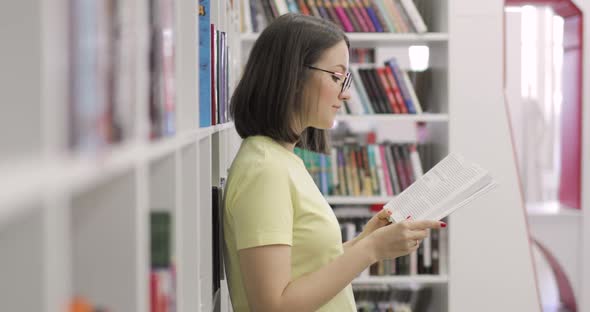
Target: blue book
373, 17
204, 63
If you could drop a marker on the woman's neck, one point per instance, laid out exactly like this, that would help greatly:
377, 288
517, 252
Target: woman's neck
289, 146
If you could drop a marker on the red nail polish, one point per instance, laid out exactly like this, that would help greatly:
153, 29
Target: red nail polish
442, 224
408, 217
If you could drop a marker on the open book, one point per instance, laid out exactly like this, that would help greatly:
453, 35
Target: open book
451, 184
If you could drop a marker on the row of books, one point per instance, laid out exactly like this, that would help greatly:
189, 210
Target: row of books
102, 73
214, 60
162, 274
354, 169
382, 90
387, 299
100, 79
426, 260
394, 16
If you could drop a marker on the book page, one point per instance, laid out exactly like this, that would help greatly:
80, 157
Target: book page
449, 183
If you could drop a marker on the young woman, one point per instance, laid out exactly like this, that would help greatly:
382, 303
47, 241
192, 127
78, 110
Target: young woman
283, 247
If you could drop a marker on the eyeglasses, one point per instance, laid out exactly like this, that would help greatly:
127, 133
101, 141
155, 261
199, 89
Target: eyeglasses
346, 81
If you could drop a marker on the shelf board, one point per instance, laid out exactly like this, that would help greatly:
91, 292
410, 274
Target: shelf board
204, 132
377, 39
409, 279
395, 118
358, 200
29, 182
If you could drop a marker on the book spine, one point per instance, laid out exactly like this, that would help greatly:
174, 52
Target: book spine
414, 16
401, 105
346, 23
388, 90
204, 64
357, 14
303, 8
342, 172
372, 16
392, 63
334, 168
413, 96
358, 86
393, 174
213, 76
350, 15
373, 169
363, 9
386, 170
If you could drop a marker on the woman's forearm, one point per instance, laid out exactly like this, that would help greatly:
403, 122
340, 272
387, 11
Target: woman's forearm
353, 241
311, 291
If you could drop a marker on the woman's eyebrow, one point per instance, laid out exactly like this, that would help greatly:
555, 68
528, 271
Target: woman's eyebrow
341, 66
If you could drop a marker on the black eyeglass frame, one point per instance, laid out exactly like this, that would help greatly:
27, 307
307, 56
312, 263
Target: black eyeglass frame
347, 77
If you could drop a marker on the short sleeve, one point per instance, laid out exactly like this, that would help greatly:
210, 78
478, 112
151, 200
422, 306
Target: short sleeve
261, 209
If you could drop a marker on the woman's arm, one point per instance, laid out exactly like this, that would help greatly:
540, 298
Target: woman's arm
379, 220
266, 270
266, 273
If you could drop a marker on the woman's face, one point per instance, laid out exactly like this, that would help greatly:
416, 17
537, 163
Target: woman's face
324, 89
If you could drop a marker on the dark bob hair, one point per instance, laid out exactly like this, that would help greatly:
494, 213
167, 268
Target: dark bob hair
269, 96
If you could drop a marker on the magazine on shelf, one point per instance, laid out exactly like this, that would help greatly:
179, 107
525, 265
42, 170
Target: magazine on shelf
453, 183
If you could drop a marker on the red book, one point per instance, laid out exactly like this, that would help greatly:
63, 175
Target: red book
303, 8
396, 91
388, 90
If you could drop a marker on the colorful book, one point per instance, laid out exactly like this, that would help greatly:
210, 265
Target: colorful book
204, 63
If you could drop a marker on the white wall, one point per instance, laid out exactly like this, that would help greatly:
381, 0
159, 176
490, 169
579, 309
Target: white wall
491, 262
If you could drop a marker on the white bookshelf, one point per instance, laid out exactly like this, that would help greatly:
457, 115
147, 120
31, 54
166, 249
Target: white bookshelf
74, 223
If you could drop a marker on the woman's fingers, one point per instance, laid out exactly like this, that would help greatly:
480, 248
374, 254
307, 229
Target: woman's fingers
384, 214
425, 224
417, 235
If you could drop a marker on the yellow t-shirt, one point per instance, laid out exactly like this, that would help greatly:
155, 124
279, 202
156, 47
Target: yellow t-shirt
270, 198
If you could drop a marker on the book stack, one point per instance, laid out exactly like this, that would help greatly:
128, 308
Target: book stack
162, 275
424, 261
381, 90
358, 169
214, 60
392, 16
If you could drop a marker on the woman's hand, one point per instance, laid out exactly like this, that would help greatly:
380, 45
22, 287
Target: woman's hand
378, 221
400, 239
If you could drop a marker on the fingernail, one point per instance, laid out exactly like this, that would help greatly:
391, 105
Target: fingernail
442, 224
409, 217
388, 212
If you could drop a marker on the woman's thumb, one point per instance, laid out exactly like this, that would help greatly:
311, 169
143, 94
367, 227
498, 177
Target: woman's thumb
384, 214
